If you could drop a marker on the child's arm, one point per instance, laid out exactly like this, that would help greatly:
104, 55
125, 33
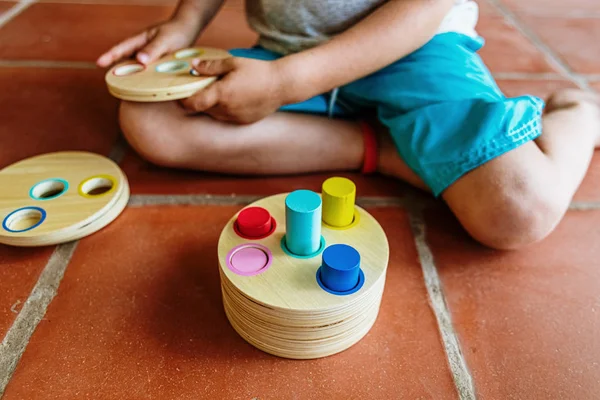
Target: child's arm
391, 32
188, 20
252, 89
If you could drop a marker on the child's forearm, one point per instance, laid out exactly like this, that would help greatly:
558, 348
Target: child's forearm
391, 32
196, 12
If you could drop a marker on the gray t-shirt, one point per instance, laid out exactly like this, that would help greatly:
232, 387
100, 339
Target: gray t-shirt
292, 26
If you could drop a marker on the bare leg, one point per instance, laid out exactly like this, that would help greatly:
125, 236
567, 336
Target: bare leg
509, 202
283, 143
520, 197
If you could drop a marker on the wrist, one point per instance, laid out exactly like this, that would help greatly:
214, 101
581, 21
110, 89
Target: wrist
293, 81
189, 15
187, 22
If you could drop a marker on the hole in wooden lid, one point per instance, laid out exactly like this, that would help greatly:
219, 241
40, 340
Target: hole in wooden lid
96, 186
49, 189
128, 69
171, 66
24, 219
186, 53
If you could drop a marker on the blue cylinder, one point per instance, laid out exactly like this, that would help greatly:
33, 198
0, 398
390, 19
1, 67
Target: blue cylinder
340, 270
303, 222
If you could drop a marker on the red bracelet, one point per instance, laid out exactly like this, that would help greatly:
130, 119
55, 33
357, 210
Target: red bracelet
370, 157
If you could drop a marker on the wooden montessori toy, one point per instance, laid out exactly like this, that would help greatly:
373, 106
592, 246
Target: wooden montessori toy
302, 273
169, 78
59, 197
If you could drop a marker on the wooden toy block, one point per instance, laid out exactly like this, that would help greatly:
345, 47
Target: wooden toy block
59, 197
303, 223
168, 78
301, 306
339, 195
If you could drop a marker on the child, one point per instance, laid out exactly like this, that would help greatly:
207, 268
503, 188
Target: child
390, 86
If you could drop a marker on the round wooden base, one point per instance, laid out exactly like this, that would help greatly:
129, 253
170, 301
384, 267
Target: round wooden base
169, 78
280, 308
59, 197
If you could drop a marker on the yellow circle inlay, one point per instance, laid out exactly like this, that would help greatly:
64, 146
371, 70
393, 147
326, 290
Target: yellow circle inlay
95, 186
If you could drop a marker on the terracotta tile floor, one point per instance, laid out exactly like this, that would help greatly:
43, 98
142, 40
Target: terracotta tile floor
6, 6
528, 320
563, 33
35, 103
573, 8
138, 312
155, 318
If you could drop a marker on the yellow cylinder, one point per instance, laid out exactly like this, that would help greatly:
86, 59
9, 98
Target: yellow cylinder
339, 195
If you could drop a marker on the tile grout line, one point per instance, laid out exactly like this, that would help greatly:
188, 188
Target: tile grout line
458, 366
143, 200
545, 49
14, 11
584, 206
47, 64
572, 14
17, 338
526, 76
141, 3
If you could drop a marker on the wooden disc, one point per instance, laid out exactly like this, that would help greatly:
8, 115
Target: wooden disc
168, 78
282, 309
59, 197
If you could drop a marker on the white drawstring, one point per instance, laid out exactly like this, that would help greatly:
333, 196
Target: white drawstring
332, 100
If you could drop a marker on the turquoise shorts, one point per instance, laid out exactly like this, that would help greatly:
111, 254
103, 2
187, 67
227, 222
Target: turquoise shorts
441, 105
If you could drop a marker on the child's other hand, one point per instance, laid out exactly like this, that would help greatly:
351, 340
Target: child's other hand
248, 90
151, 44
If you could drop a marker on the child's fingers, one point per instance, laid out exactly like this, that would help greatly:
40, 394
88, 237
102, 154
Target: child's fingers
214, 67
203, 100
154, 49
123, 49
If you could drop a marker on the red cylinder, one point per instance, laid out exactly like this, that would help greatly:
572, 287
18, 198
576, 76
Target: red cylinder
254, 223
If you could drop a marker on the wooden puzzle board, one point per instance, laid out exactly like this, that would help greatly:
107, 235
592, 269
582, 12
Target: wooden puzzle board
94, 192
283, 310
168, 78
290, 282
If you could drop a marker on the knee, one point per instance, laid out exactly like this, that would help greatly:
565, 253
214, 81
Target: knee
148, 128
142, 125
515, 219
573, 98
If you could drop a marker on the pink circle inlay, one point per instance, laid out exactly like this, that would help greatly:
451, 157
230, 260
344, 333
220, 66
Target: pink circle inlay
248, 259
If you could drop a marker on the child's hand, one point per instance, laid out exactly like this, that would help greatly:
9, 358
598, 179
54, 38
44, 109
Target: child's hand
248, 91
152, 43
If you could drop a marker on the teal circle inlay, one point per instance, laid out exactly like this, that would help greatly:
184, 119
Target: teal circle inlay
65, 187
172, 66
289, 253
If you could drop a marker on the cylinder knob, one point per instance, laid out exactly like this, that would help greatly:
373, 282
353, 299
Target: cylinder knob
339, 195
340, 270
303, 222
254, 223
